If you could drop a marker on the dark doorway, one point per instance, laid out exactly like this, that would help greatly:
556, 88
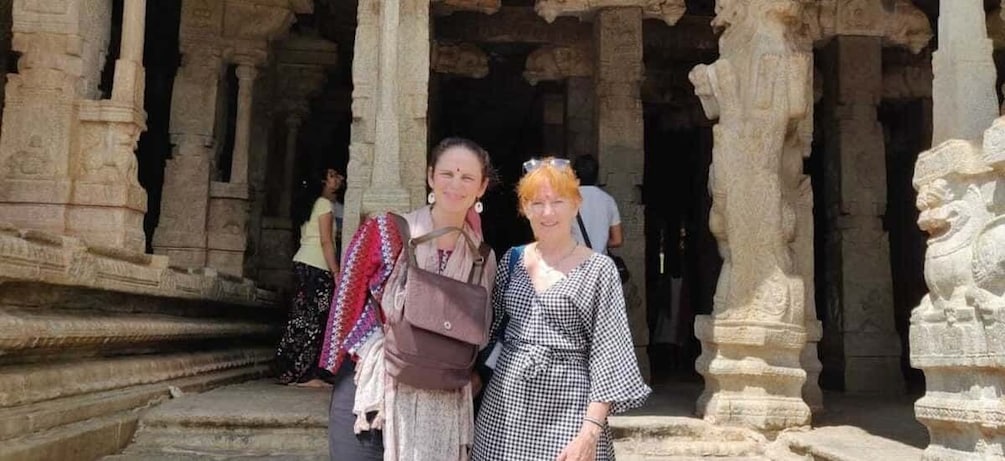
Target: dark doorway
682, 259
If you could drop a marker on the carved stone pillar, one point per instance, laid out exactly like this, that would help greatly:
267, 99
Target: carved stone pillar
129, 76
760, 89
387, 154
957, 330
204, 222
964, 87
620, 141
858, 251
181, 232
66, 158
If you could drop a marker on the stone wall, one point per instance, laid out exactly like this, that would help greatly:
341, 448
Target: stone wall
90, 336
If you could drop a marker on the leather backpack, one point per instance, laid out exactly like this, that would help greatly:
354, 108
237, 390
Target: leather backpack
432, 338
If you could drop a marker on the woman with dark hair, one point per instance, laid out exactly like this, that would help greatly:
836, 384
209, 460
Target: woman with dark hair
315, 267
373, 415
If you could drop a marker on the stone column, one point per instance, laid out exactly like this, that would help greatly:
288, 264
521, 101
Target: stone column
579, 123
129, 76
964, 87
67, 157
181, 232
760, 89
293, 121
227, 223
957, 330
620, 140
387, 164
552, 126
858, 248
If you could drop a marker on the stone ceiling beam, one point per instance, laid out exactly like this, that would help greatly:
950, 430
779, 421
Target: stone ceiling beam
447, 7
669, 11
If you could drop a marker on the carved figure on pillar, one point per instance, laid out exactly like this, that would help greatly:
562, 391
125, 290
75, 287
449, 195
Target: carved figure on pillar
956, 331
761, 92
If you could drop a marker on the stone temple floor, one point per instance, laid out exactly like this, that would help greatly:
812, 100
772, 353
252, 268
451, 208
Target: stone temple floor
259, 420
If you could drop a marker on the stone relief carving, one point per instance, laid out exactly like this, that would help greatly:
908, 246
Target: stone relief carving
30, 162
956, 330
669, 11
464, 59
907, 26
761, 91
552, 62
107, 153
902, 24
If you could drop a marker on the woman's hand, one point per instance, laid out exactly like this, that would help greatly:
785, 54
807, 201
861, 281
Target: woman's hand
583, 447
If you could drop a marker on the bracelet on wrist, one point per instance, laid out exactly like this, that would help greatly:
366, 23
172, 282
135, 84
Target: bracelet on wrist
595, 422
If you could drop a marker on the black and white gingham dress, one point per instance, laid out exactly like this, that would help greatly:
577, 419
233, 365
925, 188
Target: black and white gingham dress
564, 348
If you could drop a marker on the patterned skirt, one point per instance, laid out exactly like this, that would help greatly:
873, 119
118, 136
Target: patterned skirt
298, 351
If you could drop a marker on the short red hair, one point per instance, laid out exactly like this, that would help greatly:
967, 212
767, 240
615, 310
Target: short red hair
561, 179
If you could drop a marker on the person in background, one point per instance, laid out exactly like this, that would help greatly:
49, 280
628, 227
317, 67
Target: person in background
567, 358
315, 268
599, 211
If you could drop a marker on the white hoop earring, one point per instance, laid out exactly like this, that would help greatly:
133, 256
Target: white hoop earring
479, 208
431, 198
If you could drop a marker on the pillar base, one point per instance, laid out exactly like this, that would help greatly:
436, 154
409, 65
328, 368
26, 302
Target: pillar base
752, 373
276, 253
810, 362
226, 237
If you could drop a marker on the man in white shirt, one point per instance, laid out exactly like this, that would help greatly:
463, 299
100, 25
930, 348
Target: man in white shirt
599, 210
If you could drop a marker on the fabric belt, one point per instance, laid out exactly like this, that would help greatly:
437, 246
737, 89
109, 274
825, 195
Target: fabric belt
530, 360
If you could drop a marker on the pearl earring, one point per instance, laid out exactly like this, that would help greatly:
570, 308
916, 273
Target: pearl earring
479, 208
431, 198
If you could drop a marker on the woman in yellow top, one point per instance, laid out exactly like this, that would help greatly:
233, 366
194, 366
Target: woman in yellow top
315, 267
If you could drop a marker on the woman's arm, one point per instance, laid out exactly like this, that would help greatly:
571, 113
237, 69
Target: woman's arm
325, 222
584, 446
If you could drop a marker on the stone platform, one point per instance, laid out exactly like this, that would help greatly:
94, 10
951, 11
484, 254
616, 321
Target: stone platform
260, 420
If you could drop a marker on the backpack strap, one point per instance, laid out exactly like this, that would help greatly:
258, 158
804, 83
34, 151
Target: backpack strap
409, 243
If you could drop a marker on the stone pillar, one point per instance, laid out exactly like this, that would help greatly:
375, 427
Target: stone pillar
579, 119
964, 87
620, 140
181, 232
760, 89
203, 223
67, 157
293, 121
387, 154
129, 76
957, 330
227, 223
857, 246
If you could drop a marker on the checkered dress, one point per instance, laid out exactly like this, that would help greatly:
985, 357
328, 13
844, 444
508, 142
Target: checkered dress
564, 348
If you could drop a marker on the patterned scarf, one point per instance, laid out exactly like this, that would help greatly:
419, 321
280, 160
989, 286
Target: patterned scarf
355, 310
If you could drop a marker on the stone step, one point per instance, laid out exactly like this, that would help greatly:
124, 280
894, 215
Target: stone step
254, 420
673, 437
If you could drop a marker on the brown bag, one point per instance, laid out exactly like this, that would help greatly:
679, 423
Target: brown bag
433, 342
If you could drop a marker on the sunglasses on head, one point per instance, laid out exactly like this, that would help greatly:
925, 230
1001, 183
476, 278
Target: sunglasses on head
535, 163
